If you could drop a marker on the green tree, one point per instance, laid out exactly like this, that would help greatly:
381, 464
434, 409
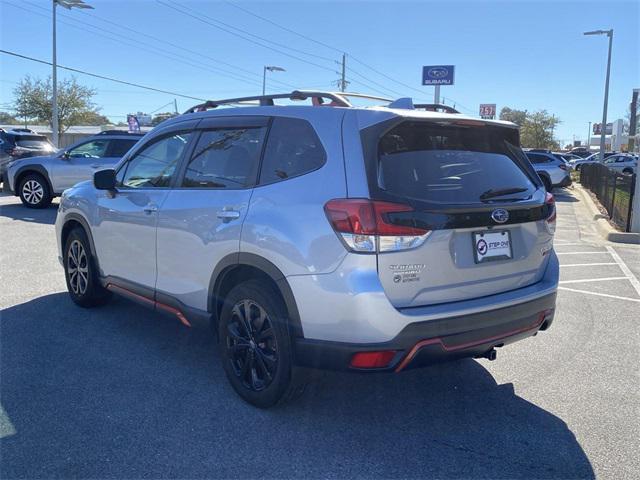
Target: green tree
516, 116
8, 119
34, 101
161, 117
536, 129
94, 118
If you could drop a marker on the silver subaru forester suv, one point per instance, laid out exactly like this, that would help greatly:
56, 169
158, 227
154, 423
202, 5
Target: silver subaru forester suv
324, 235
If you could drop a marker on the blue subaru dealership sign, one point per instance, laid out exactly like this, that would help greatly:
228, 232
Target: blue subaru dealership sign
438, 75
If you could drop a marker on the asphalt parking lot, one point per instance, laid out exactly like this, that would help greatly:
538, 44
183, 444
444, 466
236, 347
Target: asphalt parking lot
123, 392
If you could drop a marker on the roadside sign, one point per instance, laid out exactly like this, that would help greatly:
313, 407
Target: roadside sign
488, 110
134, 125
597, 129
438, 75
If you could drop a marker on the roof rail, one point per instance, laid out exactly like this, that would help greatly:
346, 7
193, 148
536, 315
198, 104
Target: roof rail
336, 99
22, 130
119, 132
436, 107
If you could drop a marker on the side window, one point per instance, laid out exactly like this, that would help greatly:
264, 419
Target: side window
93, 149
293, 148
155, 164
536, 158
120, 146
225, 158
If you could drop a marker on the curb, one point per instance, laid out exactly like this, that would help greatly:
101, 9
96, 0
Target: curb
602, 222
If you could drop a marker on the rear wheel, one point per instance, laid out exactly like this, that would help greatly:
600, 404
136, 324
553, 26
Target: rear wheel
628, 171
34, 191
80, 272
256, 345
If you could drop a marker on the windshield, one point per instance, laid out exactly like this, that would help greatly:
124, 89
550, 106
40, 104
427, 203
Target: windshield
451, 164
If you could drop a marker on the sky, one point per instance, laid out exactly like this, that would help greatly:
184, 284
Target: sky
521, 54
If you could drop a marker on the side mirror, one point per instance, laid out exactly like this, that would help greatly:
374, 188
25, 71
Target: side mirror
65, 156
105, 179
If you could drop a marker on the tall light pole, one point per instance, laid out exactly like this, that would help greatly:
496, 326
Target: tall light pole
589, 137
68, 4
603, 133
271, 68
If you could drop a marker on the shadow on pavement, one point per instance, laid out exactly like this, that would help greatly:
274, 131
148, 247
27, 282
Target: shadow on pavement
562, 195
124, 392
17, 211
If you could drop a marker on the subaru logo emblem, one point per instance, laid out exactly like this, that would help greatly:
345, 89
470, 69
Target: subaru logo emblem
500, 215
438, 72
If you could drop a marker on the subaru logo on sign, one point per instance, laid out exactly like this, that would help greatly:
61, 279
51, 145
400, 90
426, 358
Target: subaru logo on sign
500, 215
438, 72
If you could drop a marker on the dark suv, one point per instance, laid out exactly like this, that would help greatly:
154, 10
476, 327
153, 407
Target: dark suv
20, 143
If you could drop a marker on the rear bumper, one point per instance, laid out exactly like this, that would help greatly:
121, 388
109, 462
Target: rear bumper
428, 342
566, 181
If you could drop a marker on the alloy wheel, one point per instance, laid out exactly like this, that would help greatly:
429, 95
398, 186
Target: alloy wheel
78, 268
251, 345
32, 192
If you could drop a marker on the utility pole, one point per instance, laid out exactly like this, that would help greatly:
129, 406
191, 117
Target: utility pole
175, 106
68, 4
603, 133
589, 137
343, 80
54, 119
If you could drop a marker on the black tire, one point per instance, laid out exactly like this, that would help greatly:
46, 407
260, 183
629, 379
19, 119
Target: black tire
578, 167
258, 363
547, 184
80, 272
627, 171
34, 191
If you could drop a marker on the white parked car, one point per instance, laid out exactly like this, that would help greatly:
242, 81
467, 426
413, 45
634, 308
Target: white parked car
625, 163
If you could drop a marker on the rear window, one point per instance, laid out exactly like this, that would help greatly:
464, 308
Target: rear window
451, 164
33, 141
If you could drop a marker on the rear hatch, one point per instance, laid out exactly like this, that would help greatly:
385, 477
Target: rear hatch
32, 145
475, 197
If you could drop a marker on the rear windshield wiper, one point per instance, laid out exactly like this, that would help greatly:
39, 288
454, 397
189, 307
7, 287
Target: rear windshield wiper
491, 193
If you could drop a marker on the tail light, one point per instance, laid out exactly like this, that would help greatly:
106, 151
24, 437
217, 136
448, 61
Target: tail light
372, 359
364, 225
550, 222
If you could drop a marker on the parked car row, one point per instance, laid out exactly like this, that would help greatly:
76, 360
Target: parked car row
624, 163
20, 143
37, 179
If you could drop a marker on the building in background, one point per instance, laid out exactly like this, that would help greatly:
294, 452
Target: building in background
615, 139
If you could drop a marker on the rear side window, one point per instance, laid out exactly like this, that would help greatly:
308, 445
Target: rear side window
33, 141
450, 164
293, 149
118, 147
93, 149
225, 158
537, 158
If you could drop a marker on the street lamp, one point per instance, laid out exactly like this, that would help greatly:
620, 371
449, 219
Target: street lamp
603, 133
589, 137
68, 4
271, 68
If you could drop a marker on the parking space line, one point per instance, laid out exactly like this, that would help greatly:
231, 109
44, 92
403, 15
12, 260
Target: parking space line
573, 243
604, 279
587, 264
580, 253
598, 294
623, 266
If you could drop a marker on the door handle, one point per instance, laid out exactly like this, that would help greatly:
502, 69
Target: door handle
95, 165
228, 215
151, 208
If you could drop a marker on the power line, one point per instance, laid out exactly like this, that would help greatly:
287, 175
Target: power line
139, 46
210, 21
102, 77
306, 37
179, 47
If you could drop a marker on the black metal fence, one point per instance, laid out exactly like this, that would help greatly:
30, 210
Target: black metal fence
614, 191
